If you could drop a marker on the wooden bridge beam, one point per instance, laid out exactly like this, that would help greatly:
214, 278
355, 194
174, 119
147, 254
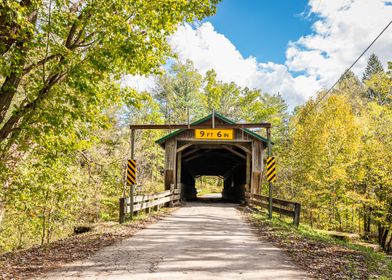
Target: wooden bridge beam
187, 126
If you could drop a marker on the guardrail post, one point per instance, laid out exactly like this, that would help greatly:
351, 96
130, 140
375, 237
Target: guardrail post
121, 210
297, 211
148, 209
171, 204
131, 192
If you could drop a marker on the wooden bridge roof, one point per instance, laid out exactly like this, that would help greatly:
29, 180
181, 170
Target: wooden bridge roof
254, 135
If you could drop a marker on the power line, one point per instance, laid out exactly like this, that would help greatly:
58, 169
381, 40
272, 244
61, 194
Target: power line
344, 74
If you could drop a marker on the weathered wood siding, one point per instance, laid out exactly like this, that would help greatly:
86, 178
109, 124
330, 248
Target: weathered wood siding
254, 161
170, 162
256, 166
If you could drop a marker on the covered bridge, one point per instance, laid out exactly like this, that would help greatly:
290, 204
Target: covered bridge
236, 155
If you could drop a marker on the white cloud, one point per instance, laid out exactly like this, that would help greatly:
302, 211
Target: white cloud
210, 50
343, 30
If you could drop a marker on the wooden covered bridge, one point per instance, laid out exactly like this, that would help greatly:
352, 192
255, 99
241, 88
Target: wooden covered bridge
211, 146
234, 154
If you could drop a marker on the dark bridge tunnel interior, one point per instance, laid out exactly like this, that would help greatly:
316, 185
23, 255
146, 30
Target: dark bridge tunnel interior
227, 162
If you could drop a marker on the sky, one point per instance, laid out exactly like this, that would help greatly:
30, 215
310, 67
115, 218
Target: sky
247, 24
294, 48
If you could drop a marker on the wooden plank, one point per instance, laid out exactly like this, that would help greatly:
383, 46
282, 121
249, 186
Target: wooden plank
230, 171
170, 153
180, 149
121, 203
171, 191
178, 181
193, 157
256, 160
168, 173
263, 201
254, 181
209, 146
282, 211
148, 201
146, 197
190, 126
260, 197
202, 142
281, 202
149, 204
243, 148
190, 152
297, 211
170, 162
234, 152
248, 168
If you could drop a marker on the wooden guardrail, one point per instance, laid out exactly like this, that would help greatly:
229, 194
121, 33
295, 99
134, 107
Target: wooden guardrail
283, 207
146, 201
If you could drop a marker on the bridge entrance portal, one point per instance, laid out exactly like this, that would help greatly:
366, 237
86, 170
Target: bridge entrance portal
202, 159
223, 149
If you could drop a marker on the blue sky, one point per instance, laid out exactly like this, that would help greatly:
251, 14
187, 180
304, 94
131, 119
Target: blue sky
262, 28
294, 48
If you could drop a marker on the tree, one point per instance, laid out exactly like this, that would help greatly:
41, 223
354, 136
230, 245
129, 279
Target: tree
60, 63
373, 66
182, 87
351, 87
319, 156
337, 160
375, 79
224, 98
378, 88
61, 51
177, 92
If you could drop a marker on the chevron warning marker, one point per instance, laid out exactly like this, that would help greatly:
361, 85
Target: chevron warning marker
271, 169
131, 172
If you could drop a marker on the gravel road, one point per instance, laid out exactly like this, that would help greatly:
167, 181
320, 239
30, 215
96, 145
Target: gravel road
201, 241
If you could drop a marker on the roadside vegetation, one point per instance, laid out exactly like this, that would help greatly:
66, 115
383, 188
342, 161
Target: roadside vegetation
336, 158
38, 260
322, 255
64, 113
209, 184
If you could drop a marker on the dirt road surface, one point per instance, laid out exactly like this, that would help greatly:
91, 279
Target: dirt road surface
201, 241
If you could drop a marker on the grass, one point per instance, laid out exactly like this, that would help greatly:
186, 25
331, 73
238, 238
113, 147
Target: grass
35, 261
321, 254
206, 189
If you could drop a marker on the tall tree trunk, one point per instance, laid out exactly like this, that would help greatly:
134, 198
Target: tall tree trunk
366, 222
10, 85
388, 247
380, 232
383, 240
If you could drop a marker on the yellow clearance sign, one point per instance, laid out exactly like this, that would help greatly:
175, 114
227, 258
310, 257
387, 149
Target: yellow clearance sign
214, 134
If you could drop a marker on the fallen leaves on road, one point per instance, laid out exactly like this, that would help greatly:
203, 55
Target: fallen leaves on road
323, 260
41, 259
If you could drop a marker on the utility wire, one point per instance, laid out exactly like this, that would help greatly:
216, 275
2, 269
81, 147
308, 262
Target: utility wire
341, 77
